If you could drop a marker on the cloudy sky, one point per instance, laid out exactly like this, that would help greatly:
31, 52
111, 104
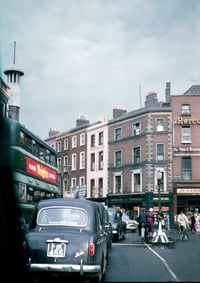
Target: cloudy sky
89, 56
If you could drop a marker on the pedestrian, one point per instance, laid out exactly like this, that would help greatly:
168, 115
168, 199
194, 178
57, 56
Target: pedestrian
192, 223
150, 221
142, 220
182, 222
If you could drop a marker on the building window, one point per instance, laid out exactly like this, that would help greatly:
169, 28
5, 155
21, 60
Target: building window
136, 129
74, 142
66, 165
66, 144
118, 158
118, 134
74, 160
160, 181
136, 155
59, 165
186, 168
82, 139
100, 138
59, 146
65, 185
92, 167
160, 151
118, 184
137, 182
100, 187
92, 140
82, 181
92, 188
82, 160
160, 125
101, 160
185, 109
73, 183
186, 135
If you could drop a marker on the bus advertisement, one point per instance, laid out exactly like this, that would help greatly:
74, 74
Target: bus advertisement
34, 167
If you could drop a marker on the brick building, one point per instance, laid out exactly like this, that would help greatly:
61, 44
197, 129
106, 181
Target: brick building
186, 150
118, 161
140, 146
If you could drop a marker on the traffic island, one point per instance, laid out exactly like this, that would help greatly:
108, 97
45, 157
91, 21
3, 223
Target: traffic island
160, 238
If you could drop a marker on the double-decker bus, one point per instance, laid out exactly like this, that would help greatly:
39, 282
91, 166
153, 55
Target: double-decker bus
34, 167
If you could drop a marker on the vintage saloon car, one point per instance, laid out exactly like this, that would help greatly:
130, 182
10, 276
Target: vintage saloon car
107, 226
118, 225
66, 237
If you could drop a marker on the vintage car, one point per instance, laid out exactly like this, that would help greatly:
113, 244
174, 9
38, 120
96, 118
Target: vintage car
107, 225
131, 225
66, 237
118, 226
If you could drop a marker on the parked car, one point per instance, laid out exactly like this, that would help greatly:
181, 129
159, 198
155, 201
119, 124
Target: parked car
118, 226
107, 226
131, 225
66, 237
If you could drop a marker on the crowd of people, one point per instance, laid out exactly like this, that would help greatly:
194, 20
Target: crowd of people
190, 222
146, 219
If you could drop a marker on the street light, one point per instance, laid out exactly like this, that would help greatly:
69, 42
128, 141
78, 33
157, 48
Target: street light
159, 178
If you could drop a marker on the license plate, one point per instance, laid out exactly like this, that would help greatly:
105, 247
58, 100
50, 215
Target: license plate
56, 249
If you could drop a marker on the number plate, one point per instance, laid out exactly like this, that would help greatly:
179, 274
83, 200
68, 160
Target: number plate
56, 249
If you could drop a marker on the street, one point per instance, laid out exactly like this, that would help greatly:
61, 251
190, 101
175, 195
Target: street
130, 261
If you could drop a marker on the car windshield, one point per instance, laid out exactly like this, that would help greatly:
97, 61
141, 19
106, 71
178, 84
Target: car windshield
62, 216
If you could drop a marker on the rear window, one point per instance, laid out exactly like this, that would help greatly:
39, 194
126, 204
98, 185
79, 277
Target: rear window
62, 216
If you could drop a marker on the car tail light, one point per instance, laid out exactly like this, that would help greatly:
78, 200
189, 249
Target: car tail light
91, 249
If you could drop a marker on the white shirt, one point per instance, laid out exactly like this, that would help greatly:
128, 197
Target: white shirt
182, 220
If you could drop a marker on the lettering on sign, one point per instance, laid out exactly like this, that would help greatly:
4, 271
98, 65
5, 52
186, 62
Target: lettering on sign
39, 170
186, 121
187, 149
188, 191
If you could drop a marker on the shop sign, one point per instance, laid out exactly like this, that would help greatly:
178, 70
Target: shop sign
188, 191
187, 149
186, 121
162, 198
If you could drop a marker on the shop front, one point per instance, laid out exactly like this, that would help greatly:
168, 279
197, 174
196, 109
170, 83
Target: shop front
132, 203
187, 199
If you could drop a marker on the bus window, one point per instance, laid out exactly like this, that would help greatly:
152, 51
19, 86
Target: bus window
22, 192
35, 147
41, 152
21, 138
28, 142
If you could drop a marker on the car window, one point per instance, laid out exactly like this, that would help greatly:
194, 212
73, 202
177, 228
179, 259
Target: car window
111, 214
63, 216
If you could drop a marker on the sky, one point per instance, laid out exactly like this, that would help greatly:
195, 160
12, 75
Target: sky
86, 57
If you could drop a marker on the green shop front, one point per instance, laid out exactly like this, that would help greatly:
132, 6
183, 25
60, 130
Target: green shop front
133, 202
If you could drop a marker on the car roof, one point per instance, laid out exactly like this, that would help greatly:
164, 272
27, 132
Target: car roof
83, 203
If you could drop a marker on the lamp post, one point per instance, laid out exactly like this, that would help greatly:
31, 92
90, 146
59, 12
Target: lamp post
159, 178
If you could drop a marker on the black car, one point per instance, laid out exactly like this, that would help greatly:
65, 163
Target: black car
66, 237
118, 226
107, 225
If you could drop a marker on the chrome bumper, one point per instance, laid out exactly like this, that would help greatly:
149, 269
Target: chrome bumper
68, 268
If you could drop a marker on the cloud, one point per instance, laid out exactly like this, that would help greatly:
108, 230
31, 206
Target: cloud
86, 57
